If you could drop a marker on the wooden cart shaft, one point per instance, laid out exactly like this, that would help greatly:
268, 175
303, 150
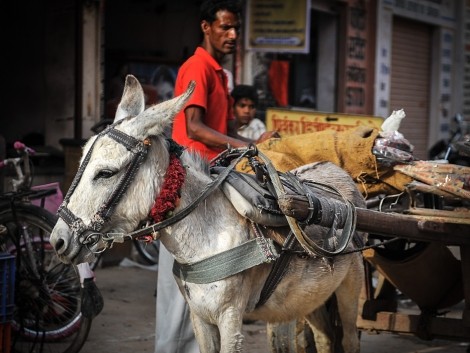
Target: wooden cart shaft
446, 230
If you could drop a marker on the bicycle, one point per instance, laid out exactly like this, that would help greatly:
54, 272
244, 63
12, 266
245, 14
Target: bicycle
47, 315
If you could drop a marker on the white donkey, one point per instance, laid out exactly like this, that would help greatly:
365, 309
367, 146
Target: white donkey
104, 201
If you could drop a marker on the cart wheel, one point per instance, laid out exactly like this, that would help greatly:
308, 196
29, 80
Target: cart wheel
297, 336
290, 337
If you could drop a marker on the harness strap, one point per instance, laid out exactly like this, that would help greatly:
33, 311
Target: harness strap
85, 232
140, 149
228, 263
307, 244
74, 222
124, 139
277, 271
78, 176
128, 141
208, 189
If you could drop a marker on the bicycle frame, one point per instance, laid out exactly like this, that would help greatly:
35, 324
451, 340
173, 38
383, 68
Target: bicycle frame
27, 221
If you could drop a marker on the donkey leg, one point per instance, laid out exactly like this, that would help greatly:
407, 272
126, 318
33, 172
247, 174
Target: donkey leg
207, 335
320, 323
347, 296
230, 328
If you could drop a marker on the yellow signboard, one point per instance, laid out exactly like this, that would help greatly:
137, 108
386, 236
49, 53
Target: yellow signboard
294, 122
278, 26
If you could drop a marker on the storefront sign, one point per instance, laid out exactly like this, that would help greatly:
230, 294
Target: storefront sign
436, 12
294, 122
278, 26
356, 60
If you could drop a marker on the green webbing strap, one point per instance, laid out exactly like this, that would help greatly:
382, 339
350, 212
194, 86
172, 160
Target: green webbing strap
225, 264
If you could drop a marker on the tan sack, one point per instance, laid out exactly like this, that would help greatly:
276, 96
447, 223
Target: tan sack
350, 149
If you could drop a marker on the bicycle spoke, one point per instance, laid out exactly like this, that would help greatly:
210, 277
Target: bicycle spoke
47, 316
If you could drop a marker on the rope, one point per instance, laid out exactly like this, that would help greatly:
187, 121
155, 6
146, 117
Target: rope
347, 252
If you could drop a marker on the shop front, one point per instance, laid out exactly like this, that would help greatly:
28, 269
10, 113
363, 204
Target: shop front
418, 64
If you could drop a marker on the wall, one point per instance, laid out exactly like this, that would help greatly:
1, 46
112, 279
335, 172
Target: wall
464, 58
327, 63
40, 62
165, 30
92, 67
445, 59
356, 43
41, 56
38, 68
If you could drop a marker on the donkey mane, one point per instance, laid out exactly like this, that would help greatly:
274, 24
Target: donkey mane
197, 161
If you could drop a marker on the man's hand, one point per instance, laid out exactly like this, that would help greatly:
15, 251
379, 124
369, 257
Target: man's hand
267, 135
199, 131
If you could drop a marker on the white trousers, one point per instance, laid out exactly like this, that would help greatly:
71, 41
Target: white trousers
174, 332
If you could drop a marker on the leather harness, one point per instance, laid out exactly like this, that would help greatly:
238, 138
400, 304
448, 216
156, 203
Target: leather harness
270, 185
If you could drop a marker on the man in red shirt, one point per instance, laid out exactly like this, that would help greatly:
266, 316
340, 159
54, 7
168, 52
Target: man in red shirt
203, 125
206, 125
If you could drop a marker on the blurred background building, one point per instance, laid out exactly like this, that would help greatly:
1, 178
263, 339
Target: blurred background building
65, 59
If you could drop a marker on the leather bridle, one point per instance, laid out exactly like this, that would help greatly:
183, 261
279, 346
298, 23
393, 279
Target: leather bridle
89, 234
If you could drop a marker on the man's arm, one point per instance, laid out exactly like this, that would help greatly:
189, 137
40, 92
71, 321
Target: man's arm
232, 131
199, 131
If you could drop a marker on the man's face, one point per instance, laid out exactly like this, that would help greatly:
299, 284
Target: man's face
222, 34
244, 110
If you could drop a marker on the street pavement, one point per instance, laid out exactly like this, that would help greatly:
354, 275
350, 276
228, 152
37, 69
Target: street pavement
127, 322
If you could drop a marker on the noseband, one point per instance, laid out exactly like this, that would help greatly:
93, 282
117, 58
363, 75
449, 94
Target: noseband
89, 235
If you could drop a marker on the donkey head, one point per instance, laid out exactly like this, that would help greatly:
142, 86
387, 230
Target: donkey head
118, 179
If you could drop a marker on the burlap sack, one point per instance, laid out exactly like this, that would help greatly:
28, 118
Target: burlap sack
350, 150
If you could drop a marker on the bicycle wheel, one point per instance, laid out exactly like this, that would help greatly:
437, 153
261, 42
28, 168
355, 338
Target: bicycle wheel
148, 251
47, 315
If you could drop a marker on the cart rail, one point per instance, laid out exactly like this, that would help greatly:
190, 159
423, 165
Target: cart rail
440, 229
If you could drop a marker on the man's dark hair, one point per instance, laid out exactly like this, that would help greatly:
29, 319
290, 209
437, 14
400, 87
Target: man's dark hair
209, 9
245, 91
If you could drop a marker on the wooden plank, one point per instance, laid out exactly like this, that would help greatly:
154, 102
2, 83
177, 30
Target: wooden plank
429, 328
420, 228
412, 227
465, 260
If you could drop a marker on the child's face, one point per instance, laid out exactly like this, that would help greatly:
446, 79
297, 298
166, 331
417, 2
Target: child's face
244, 110
164, 91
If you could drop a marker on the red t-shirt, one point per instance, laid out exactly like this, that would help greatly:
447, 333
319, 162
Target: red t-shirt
211, 94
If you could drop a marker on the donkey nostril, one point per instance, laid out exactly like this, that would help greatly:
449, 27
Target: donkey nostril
59, 245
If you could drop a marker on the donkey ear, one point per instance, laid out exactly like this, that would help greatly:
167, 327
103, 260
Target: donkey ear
132, 101
156, 119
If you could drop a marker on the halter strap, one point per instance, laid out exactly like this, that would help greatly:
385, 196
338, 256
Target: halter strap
78, 227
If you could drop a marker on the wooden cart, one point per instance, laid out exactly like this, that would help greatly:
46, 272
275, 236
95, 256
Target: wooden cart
438, 228
435, 230
378, 314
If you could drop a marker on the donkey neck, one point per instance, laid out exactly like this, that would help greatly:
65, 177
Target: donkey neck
214, 225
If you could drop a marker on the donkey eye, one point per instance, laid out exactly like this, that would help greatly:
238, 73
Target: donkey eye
104, 174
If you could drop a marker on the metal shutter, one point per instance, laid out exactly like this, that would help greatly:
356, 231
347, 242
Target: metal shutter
411, 80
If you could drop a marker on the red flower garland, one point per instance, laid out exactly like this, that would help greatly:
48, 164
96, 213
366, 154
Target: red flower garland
169, 196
